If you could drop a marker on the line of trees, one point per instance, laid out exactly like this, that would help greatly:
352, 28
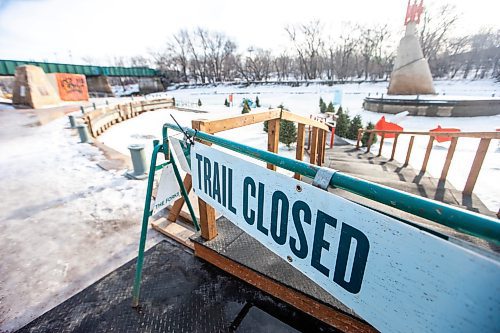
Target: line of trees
365, 52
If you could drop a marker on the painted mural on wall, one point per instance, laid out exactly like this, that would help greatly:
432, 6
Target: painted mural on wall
72, 87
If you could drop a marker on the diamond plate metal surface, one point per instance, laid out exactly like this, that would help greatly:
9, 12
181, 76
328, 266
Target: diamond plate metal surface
238, 246
179, 293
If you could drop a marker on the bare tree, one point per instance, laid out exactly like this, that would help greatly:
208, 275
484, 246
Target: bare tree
436, 26
308, 43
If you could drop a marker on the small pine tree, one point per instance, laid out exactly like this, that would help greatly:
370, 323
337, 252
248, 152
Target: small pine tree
355, 125
257, 102
339, 110
246, 108
366, 136
330, 108
322, 105
288, 132
266, 126
226, 103
342, 126
199, 102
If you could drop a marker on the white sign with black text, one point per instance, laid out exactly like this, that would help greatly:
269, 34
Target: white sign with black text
168, 189
395, 276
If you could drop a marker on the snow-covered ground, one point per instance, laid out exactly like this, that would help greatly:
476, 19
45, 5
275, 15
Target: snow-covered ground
64, 222
304, 100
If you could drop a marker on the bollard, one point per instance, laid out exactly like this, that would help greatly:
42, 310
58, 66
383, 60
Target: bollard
84, 134
138, 161
72, 123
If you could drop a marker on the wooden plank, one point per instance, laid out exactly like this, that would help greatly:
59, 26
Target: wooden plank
273, 132
309, 137
427, 154
299, 153
207, 220
324, 147
208, 225
482, 149
321, 146
394, 144
295, 298
314, 146
408, 153
173, 214
381, 145
449, 157
303, 120
360, 135
370, 141
218, 125
176, 231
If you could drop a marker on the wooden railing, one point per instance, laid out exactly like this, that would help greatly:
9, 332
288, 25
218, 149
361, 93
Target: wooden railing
485, 139
100, 119
273, 117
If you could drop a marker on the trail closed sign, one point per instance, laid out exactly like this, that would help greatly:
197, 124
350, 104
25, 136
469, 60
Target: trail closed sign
395, 276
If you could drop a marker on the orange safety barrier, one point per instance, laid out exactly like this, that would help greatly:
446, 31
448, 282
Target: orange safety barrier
383, 125
444, 138
72, 87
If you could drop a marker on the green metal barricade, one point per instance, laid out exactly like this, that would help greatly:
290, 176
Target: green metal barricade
467, 222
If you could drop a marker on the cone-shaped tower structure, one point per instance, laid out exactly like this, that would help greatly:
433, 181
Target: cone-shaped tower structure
411, 74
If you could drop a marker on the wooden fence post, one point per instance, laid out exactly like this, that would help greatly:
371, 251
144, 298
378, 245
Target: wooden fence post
207, 212
273, 134
394, 144
299, 153
427, 154
381, 145
314, 146
476, 165
449, 157
360, 135
370, 140
408, 153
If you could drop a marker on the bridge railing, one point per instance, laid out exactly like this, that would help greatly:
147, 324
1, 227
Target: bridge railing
482, 149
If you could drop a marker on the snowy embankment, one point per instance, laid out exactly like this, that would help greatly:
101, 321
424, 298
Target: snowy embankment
304, 100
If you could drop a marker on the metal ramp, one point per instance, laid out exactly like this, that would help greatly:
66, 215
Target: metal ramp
181, 294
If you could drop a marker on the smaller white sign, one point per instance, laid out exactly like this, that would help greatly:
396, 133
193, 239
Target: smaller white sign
168, 189
181, 152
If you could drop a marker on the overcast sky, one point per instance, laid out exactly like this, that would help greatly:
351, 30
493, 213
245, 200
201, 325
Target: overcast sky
67, 30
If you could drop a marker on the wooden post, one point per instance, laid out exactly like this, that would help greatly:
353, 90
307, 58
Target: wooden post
394, 144
321, 146
273, 134
207, 212
408, 153
449, 157
314, 146
360, 135
482, 149
324, 147
332, 138
309, 133
299, 153
370, 140
427, 154
381, 145
174, 212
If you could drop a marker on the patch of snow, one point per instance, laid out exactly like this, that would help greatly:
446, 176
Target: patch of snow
304, 100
